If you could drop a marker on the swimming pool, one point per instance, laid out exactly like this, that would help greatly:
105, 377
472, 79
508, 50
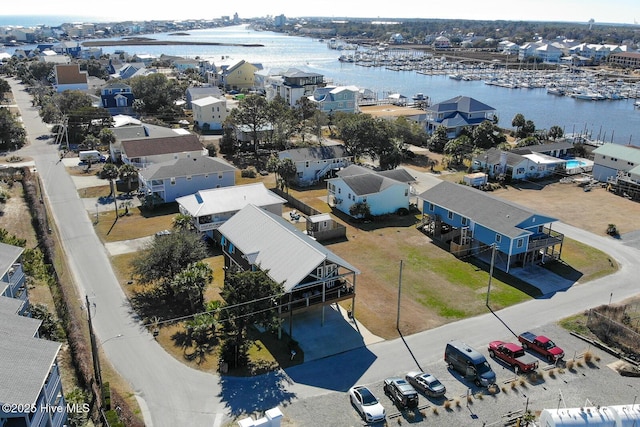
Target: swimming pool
572, 164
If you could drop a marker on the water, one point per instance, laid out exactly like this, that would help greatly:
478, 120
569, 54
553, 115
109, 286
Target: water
612, 121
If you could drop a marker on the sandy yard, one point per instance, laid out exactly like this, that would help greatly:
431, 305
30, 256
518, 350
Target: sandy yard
590, 210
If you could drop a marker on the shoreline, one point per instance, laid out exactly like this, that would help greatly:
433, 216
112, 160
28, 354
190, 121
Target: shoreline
150, 42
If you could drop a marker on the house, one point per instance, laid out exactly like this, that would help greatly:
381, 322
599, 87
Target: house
29, 373
609, 160
314, 163
117, 98
473, 221
166, 181
210, 112
69, 77
211, 207
291, 85
127, 71
626, 59
385, 192
619, 166
127, 128
310, 273
517, 165
198, 92
560, 149
442, 42
458, 113
144, 151
12, 278
331, 99
238, 76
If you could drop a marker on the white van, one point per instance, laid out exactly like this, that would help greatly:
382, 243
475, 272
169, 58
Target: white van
92, 156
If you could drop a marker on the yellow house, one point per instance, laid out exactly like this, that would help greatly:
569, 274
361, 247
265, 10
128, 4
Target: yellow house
238, 76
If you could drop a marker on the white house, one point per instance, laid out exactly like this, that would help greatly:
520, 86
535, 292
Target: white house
210, 208
314, 163
210, 112
518, 164
611, 160
142, 152
292, 84
165, 182
385, 192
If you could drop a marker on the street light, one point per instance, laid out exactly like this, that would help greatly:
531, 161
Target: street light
96, 213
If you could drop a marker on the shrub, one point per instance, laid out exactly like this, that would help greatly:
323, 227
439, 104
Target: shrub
588, 356
570, 364
248, 173
447, 404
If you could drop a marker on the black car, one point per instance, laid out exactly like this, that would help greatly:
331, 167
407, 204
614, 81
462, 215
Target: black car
401, 392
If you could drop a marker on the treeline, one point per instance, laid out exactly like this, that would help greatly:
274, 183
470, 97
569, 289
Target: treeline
415, 30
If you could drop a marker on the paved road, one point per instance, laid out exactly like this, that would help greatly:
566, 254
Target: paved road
171, 393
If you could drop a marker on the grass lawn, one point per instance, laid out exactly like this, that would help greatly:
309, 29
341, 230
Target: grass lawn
437, 287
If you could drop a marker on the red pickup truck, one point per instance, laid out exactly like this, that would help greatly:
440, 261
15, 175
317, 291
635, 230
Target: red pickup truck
513, 355
541, 345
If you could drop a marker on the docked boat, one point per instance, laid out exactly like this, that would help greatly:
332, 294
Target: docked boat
636, 104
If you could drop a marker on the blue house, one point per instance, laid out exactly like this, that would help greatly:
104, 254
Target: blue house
12, 278
118, 98
458, 113
471, 222
331, 99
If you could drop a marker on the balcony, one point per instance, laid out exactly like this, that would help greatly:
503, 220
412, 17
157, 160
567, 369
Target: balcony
313, 296
548, 239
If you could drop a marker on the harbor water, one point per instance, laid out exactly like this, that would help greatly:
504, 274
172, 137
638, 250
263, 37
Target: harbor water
608, 120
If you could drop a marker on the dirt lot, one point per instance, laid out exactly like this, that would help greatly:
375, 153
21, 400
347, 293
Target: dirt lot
593, 210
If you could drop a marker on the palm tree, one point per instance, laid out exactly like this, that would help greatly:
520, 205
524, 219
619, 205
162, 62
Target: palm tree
183, 222
110, 172
128, 172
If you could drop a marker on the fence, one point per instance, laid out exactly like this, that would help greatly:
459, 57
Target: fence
295, 203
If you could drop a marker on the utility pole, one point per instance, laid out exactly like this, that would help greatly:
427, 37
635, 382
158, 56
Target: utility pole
94, 350
493, 257
399, 295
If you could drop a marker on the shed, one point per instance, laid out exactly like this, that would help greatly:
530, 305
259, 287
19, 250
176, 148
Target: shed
476, 179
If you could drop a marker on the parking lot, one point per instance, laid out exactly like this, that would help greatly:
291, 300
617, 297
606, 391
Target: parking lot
584, 384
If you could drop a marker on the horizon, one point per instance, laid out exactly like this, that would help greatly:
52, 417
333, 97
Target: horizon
620, 12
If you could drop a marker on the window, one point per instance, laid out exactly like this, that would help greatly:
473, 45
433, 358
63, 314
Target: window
188, 177
520, 243
406, 192
232, 249
465, 221
498, 238
219, 175
339, 190
450, 215
432, 207
173, 181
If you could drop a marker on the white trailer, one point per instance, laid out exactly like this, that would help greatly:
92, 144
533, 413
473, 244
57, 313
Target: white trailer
92, 156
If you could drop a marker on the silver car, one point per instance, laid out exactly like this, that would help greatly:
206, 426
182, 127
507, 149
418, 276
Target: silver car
426, 383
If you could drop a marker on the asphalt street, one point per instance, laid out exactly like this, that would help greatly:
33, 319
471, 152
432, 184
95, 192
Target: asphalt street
172, 394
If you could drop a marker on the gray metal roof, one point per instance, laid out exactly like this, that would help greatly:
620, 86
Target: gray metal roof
10, 305
624, 152
544, 148
25, 363
277, 246
228, 199
185, 166
463, 104
482, 208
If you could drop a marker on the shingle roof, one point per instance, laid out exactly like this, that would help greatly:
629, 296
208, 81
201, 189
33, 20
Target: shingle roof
277, 246
463, 104
315, 153
363, 181
482, 208
25, 363
8, 255
228, 199
164, 145
185, 166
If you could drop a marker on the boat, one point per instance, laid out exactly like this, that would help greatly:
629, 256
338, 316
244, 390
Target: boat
636, 104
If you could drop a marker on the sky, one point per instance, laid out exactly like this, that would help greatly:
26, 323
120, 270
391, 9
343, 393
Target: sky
611, 11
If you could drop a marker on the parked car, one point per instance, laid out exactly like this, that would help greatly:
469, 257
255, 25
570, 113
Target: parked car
469, 363
541, 345
426, 383
401, 392
366, 404
513, 355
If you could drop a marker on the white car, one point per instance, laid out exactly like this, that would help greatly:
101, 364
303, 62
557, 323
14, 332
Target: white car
366, 404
